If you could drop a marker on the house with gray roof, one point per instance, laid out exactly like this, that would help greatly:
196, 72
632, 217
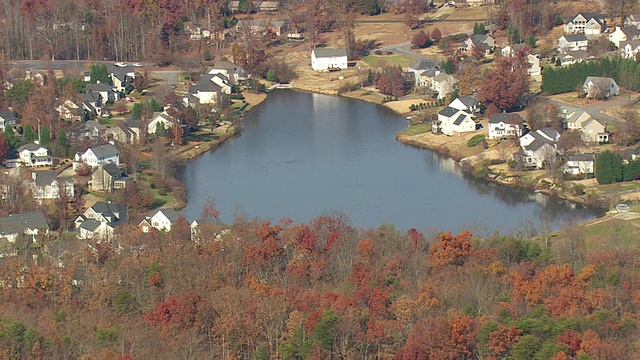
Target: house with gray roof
484, 43
100, 220
262, 27
161, 119
7, 118
574, 57
233, 72
108, 177
539, 148
34, 155
257, 5
623, 34
596, 87
505, 125
161, 220
629, 49
106, 91
205, 91
467, 102
452, 121
580, 164
28, 224
121, 76
572, 42
326, 59
46, 185
98, 155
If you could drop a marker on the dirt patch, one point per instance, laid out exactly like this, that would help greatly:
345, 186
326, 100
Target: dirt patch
453, 146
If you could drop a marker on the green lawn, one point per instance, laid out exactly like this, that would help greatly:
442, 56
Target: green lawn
417, 129
382, 60
163, 200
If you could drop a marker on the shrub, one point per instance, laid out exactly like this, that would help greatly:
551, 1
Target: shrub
512, 163
378, 52
477, 139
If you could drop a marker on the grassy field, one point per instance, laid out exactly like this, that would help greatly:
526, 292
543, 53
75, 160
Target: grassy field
382, 60
417, 129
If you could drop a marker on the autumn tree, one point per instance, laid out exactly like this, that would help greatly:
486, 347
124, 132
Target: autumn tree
389, 81
4, 149
507, 84
420, 39
436, 35
470, 80
542, 114
628, 128
450, 249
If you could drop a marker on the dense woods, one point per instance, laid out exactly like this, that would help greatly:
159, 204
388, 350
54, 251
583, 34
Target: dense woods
320, 290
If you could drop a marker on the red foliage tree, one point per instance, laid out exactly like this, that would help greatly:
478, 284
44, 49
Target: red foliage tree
507, 84
502, 340
450, 250
420, 39
436, 35
389, 81
4, 149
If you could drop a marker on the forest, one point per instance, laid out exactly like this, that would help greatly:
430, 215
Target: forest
322, 290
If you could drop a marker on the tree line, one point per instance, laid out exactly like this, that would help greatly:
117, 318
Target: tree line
321, 290
557, 80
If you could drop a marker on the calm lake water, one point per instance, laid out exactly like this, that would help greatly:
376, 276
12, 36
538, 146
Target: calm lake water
301, 155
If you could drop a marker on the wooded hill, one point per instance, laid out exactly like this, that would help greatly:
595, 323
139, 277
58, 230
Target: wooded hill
321, 290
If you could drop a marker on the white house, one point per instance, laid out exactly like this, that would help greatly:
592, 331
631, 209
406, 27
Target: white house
47, 185
423, 69
505, 125
443, 84
572, 42
100, 220
629, 49
574, 57
622, 34
35, 155
99, 155
454, 121
106, 91
29, 224
632, 20
580, 164
512, 50
593, 132
328, 59
485, 43
577, 119
586, 23
596, 87
573, 118
533, 65
539, 148
161, 119
161, 219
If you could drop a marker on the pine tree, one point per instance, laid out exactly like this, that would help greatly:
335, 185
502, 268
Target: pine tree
45, 136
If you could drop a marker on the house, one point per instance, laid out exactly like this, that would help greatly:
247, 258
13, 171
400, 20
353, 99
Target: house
572, 42
7, 118
161, 219
262, 27
29, 224
423, 70
594, 132
69, 111
467, 102
573, 57
454, 121
577, 119
328, 59
600, 87
121, 76
629, 49
580, 164
100, 220
622, 34
589, 24
539, 148
47, 185
505, 125
106, 92
512, 50
33, 154
257, 5
632, 20
205, 91
99, 155
443, 84
233, 72
92, 129
91, 104
161, 119
485, 43
127, 133
220, 80
108, 177
533, 65
202, 225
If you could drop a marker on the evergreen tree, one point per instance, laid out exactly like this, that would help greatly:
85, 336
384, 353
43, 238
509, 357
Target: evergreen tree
243, 6
448, 66
206, 56
62, 144
370, 7
99, 73
155, 106
10, 137
28, 135
608, 167
531, 41
136, 110
45, 136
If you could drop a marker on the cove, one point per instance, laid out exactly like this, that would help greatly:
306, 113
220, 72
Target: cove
301, 155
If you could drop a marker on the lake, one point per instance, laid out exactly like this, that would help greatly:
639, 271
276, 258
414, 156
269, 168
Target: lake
301, 155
